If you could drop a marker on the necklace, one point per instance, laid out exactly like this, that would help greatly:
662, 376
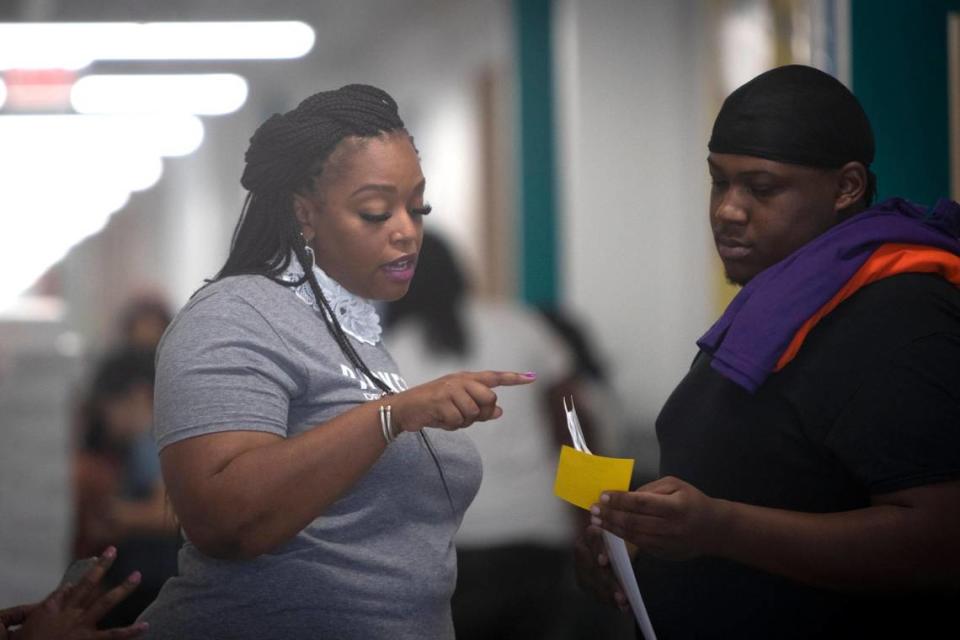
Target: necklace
356, 315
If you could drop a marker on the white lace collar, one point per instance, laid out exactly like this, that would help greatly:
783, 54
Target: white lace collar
357, 316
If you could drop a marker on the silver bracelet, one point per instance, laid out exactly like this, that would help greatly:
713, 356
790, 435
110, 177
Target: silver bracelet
386, 423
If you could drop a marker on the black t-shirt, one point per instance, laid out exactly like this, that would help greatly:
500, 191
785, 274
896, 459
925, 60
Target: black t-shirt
870, 405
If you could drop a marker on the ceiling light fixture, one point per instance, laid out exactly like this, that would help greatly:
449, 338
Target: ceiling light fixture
70, 173
199, 94
74, 45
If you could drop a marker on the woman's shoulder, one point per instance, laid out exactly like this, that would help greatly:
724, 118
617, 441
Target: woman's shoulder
250, 288
244, 303
248, 294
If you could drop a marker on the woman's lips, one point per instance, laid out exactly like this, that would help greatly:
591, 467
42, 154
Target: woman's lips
401, 269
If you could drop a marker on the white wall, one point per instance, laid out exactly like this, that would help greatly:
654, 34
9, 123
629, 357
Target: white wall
633, 127
39, 367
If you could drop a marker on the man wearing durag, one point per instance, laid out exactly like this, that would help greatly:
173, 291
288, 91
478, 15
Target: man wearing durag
810, 459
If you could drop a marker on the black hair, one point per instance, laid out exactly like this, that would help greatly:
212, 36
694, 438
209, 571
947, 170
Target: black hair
116, 375
140, 307
286, 155
435, 298
122, 370
586, 361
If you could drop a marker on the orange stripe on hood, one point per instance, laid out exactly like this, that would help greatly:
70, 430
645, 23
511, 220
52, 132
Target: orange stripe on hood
888, 260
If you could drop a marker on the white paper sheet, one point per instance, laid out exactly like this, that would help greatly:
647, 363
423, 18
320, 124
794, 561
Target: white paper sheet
616, 547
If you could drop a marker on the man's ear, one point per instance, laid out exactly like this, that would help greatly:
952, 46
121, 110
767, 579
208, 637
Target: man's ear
301, 209
851, 185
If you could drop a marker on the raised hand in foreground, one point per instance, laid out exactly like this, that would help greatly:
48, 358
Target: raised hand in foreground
71, 612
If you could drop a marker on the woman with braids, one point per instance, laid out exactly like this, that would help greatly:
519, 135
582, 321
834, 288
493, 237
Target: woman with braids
314, 501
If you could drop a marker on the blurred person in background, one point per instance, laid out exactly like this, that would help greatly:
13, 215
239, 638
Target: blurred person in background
810, 459
603, 418
143, 321
119, 496
514, 564
318, 494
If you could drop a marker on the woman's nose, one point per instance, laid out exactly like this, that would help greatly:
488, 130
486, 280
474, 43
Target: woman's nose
406, 231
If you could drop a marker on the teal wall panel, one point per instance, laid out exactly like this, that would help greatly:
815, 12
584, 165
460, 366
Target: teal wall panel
539, 279
899, 73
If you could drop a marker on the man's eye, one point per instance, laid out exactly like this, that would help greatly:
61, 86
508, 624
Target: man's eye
375, 217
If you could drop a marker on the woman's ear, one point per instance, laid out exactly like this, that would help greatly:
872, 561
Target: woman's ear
302, 209
851, 185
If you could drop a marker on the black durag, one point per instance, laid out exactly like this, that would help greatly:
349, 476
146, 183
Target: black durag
794, 114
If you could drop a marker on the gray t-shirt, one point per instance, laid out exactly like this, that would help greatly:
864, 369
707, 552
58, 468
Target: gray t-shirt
248, 354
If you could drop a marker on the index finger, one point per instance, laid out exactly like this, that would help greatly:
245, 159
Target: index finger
112, 598
637, 502
503, 378
87, 588
133, 631
593, 538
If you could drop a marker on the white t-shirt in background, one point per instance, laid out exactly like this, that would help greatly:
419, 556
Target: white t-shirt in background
516, 503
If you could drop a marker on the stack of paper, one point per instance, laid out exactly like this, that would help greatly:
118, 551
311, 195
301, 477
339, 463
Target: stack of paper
581, 478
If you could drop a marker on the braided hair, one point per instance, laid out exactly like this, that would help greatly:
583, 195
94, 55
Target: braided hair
286, 154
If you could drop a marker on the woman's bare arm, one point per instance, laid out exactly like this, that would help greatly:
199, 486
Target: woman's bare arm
239, 494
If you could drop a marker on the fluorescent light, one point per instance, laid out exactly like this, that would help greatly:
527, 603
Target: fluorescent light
143, 173
69, 174
161, 135
74, 45
24, 260
201, 94
746, 44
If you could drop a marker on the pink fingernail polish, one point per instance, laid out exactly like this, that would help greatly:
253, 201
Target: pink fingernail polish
135, 577
595, 521
604, 498
595, 510
530, 374
110, 552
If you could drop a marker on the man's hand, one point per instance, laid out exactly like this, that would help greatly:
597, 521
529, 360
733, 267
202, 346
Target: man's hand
666, 518
594, 573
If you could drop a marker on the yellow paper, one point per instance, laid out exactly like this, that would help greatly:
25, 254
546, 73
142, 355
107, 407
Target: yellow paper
582, 477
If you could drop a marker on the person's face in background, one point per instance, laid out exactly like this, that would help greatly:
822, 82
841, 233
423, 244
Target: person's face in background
145, 330
363, 218
129, 413
761, 211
